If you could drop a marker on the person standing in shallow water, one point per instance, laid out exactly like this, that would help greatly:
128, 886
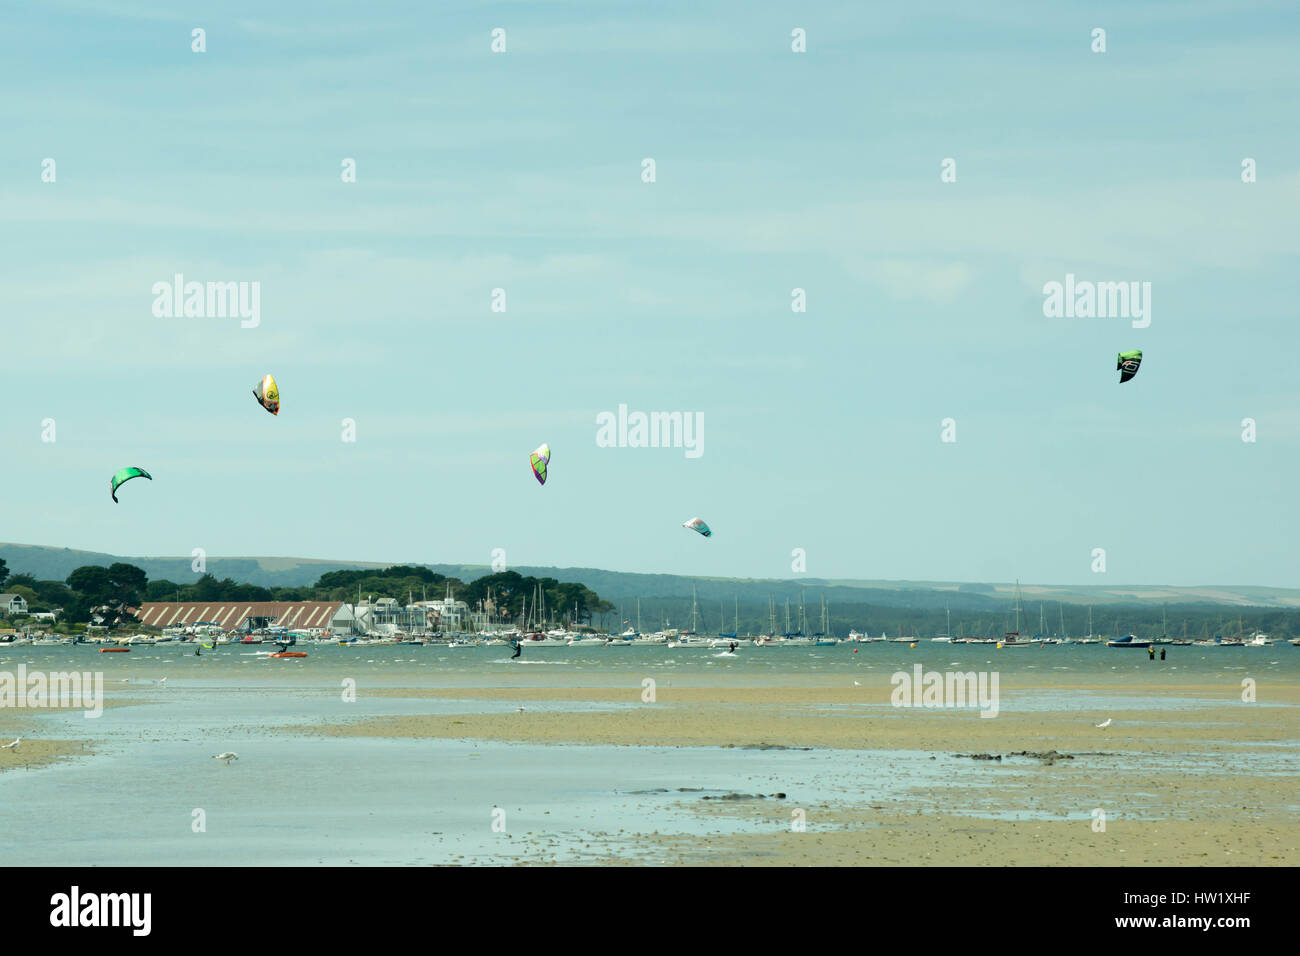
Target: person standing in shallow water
1162, 653
1151, 653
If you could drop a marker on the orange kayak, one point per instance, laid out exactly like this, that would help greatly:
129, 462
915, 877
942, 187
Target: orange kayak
115, 650
289, 654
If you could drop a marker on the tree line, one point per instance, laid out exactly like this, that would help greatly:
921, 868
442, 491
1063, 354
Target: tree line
121, 586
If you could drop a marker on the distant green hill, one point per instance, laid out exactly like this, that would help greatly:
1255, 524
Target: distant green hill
47, 563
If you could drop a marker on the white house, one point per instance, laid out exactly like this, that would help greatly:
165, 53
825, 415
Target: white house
13, 603
447, 614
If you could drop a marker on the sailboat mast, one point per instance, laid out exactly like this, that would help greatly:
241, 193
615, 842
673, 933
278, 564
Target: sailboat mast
1013, 635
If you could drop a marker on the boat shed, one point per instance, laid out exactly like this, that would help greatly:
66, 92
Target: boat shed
231, 615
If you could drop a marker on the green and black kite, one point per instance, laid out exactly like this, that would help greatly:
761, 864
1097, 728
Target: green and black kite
1128, 364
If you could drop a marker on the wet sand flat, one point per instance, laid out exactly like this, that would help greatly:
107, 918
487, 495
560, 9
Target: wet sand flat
1207, 780
33, 752
714, 768
800, 716
895, 838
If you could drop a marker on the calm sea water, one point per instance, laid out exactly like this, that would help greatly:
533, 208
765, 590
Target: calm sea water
291, 799
400, 665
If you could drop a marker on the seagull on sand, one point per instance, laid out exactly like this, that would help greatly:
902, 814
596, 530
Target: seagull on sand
519, 710
14, 745
228, 756
1104, 724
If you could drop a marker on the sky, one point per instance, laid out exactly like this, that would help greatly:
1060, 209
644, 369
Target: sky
774, 170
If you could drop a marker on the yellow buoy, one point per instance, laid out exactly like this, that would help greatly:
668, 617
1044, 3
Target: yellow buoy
999, 645
913, 644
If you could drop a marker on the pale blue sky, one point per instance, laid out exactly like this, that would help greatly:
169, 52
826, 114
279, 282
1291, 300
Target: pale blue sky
775, 170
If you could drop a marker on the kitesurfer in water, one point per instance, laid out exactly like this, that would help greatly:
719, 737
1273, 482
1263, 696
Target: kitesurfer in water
519, 650
733, 646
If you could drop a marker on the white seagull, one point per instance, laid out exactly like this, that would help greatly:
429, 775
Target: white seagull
1104, 724
856, 684
14, 745
228, 756
163, 681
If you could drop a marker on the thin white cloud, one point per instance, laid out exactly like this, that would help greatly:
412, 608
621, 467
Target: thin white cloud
939, 282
